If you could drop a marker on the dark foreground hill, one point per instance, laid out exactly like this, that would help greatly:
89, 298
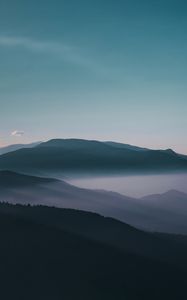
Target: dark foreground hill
49, 253
163, 212
74, 156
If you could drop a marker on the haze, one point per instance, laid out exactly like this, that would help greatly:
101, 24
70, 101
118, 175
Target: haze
137, 185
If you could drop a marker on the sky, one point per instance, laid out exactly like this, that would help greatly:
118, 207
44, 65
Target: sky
106, 70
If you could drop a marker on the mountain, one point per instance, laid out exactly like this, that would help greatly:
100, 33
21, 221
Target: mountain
162, 213
167, 210
64, 254
81, 157
101, 229
9, 180
172, 199
15, 147
125, 146
25, 189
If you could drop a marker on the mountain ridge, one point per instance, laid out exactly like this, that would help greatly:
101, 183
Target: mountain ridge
15, 147
162, 212
78, 156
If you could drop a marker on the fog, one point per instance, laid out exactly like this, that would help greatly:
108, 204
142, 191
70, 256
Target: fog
135, 186
166, 212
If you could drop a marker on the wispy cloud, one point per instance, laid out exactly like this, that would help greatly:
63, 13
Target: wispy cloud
34, 45
62, 51
18, 133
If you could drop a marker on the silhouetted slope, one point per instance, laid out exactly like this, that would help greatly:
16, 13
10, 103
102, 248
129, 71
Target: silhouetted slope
9, 179
89, 157
102, 229
42, 260
125, 146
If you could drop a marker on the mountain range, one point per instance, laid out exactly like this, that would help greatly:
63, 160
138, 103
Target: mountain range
60, 241
162, 212
70, 157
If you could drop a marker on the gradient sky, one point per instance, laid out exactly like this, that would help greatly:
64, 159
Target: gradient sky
107, 70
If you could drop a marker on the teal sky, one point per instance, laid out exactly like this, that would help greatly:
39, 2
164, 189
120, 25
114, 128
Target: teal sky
107, 70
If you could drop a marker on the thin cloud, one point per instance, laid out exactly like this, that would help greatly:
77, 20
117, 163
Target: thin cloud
18, 133
33, 45
59, 50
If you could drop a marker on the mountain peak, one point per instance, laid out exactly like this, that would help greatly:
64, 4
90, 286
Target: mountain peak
170, 151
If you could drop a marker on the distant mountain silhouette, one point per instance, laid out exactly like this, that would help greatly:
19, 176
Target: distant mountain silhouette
171, 209
74, 156
163, 212
15, 147
49, 253
125, 146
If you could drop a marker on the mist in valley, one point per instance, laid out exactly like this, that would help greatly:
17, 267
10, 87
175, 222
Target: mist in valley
135, 185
